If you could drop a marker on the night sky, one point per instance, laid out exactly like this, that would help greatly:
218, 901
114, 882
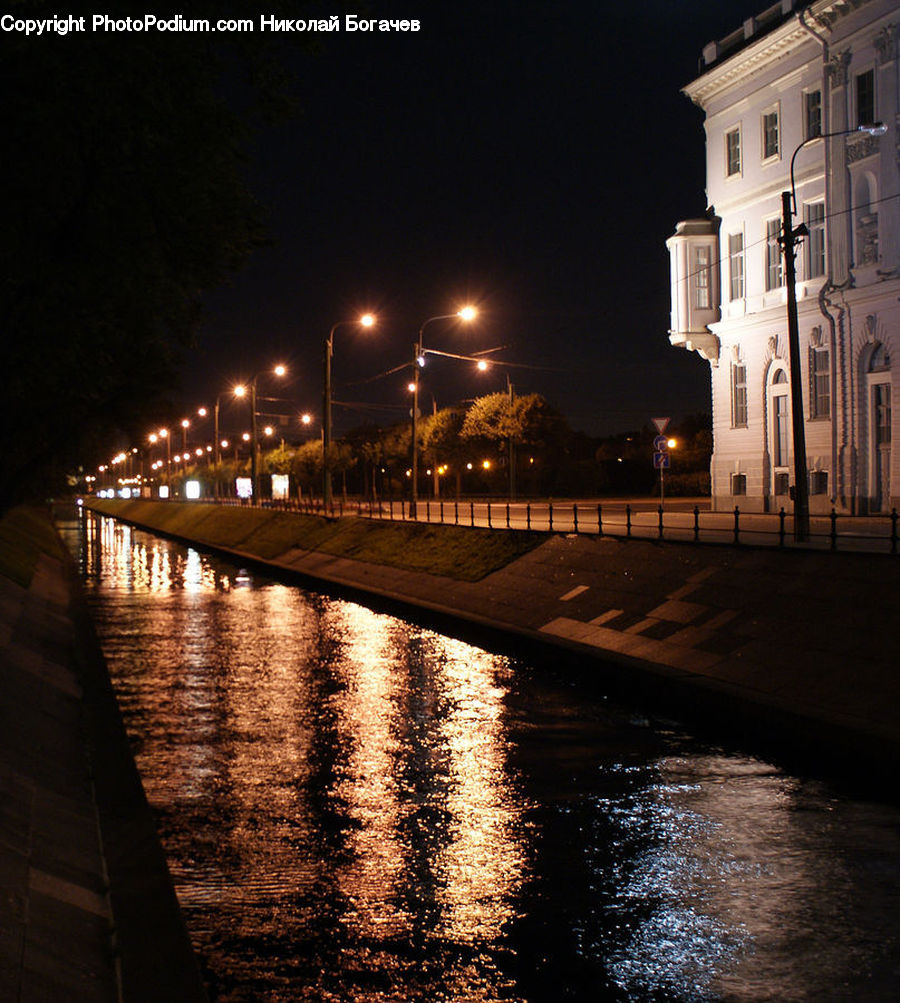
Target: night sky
531, 158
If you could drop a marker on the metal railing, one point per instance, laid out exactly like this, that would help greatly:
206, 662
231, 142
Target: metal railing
830, 531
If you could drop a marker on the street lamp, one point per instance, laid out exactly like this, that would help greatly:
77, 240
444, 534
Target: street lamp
467, 313
367, 320
240, 391
788, 242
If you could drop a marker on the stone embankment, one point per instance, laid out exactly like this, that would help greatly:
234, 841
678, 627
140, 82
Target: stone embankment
786, 652
88, 910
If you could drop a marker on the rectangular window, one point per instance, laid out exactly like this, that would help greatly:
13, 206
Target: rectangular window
733, 152
738, 395
819, 383
782, 484
700, 278
818, 482
865, 98
770, 134
815, 244
773, 254
736, 265
738, 484
813, 108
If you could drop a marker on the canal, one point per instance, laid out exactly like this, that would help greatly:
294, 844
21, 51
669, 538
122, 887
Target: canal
356, 808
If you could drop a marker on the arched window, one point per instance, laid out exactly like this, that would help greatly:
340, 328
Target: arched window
778, 393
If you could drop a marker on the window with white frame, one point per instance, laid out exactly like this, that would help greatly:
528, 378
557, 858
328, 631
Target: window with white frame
732, 152
819, 383
812, 107
773, 254
771, 140
736, 266
865, 98
738, 395
701, 263
815, 242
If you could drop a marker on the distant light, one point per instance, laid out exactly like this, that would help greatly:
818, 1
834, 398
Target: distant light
420, 361
875, 129
468, 313
163, 433
202, 412
367, 320
164, 491
240, 390
482, 365
224, 444
199, 452
246, 436
468, 466
411, 387
268, 430
280, 370
192, 490
486, 464
672, 443
306, 419
185, 423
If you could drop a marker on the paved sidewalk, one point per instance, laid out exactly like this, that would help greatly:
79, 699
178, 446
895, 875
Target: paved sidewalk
87, 910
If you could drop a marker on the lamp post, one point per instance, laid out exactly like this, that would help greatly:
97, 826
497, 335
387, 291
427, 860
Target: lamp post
240, 391
789, 237
467, 313
367, 320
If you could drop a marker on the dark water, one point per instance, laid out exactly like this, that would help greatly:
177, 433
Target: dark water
357, 808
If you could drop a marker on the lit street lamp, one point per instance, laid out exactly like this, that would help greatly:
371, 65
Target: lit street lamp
467, 313
367, 320
788, 240
240, 391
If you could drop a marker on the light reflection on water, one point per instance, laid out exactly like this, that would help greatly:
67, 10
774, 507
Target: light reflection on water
355, 808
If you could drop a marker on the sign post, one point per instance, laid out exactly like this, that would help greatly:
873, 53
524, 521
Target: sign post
661, 455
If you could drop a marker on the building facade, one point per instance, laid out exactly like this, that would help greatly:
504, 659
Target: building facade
785, 99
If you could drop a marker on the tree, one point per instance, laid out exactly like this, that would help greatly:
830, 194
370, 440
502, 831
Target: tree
442, 443
123, 200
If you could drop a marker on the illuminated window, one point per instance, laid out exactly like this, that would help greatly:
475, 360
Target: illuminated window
813, 108
815, 243
773, 254
736, 265
733, 152
770, 135
819, 383
700, 275
738, 395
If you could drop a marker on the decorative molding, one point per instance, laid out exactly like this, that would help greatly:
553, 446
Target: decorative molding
736, 354
870, 327
815, 336
886, 44
860, 147
837, 68
772, 348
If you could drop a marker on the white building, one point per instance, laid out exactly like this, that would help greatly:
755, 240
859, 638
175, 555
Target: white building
796, 72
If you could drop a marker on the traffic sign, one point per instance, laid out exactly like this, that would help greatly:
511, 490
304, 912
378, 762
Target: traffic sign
661, 442
661, 424
660, 461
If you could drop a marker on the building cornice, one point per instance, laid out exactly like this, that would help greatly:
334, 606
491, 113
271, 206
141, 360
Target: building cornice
775, 45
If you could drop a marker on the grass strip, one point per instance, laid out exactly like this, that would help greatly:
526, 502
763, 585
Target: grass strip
460, 552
